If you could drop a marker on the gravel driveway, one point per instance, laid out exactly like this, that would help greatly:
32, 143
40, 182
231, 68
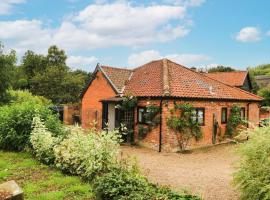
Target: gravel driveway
206, 172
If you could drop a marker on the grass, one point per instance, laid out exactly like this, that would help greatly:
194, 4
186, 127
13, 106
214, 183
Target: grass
41, 182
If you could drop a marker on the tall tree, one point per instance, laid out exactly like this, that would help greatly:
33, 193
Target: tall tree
7, 66
49, 76
221, 69
56, 56
33, 63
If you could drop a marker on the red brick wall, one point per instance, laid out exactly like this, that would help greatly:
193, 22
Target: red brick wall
264, 114
91, 105
254, 114
169, 141
69, 111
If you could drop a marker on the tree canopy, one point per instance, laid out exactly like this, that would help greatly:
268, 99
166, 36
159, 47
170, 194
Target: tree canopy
44, 75
7, 65
263, 91
221, 69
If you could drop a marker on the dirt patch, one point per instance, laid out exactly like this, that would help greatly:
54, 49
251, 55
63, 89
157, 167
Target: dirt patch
206, 172
5, 195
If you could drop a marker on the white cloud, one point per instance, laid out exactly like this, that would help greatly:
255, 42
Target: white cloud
86, 63
143, 57
186, 3
249, 34
184, 59
268, 33
123, 24
99, 26
7, 5
25, 34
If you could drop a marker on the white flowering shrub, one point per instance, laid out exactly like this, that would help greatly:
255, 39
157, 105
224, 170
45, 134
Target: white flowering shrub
42, 141
88, 154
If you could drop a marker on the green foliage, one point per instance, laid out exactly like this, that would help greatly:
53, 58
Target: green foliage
265, 93
183, 123
89, 154
49, 76
42, 141
129, 102
21, 96
152, 116
32, 64
256, 71
152, 119
41, 182
253, 175
56, 56
221, 69
128, 184
234, 120
16, 121
7, 66
58, 84
143, 130
260, 70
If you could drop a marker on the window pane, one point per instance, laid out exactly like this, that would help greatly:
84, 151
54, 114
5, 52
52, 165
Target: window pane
140, 114
224, 115
200, 116
194, 115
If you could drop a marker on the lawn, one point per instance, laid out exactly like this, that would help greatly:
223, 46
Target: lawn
39, 181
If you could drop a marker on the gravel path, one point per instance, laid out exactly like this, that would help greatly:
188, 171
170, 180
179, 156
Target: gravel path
207, 172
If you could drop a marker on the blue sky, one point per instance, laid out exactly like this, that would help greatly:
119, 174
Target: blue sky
130, 33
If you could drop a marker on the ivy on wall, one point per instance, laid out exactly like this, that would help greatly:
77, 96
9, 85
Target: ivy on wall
152, 118
234, 121
182, 122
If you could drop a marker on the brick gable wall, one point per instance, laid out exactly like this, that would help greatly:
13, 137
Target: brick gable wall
91, 105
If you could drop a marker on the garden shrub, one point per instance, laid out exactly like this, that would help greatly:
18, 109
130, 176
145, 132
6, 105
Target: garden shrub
21, 96
89, 154
129, 184
253, 175
16, 123
43, 142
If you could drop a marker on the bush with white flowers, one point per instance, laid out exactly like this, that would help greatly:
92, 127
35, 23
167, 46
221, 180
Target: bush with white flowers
42, 141
88, 154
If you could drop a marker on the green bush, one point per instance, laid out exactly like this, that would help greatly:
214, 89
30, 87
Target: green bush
253, 175
128, 184
21, 96
43, 142
16, 121
89, 154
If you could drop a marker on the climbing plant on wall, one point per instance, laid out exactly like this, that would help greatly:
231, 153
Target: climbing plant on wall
152, 120
182, 122
234, 120
127, 106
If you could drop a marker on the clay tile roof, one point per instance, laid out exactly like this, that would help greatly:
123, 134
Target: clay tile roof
235, 78
118, 76
148, 80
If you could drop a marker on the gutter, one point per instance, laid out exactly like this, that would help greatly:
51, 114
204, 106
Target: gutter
160, 127
248, 114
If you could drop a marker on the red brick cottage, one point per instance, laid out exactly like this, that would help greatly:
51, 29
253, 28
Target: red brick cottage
164, 83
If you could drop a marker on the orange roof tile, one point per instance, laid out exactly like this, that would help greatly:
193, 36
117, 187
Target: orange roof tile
118, 76
147, 80
235, 78
167, 78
